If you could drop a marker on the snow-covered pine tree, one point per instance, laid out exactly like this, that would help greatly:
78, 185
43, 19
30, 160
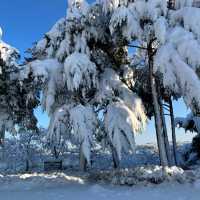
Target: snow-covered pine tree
169, 39
86, 81
14, 106
191, 123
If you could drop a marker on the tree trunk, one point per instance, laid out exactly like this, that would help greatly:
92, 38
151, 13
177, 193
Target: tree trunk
83, 161
165, 135
2, 139
2, 136
55, 152
173, 132
27, 165
158, 121
115, 157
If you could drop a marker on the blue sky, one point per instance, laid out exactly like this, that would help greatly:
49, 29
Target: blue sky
25, 21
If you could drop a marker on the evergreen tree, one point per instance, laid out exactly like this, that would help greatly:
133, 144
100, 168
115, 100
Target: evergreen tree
15, 110
82, 66
169, 39
86, 82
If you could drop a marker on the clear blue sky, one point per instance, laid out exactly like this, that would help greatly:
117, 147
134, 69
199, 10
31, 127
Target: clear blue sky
25, 21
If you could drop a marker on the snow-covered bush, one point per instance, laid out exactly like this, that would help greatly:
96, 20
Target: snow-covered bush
142, 176
191, 123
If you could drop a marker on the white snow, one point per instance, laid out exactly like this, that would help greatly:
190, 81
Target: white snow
76, 8
189, 17
109, 5
160, 29
84, 122
120, 123
62, 187
182, 3
185, 122
79, 71
123, 17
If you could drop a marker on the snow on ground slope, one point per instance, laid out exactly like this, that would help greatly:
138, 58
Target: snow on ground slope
96, 184
61, 187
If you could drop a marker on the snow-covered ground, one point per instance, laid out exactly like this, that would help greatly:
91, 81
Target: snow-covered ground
51, 187
96, 184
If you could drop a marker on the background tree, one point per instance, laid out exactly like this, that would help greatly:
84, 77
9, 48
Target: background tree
168, 38
15, 109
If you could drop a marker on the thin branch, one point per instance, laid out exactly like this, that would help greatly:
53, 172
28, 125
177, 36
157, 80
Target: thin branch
166, 105
135, 46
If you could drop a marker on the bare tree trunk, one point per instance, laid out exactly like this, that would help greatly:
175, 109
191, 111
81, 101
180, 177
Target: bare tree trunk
55, 152
83, 161
173, 132
2, 136
158, 121
166, 140
27, 165
116, 161
2, 139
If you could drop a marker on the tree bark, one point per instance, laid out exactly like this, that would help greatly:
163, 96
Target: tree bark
166, 140
83, 161
2, 139
158, 121
116, 161
2, 136
55, 152
173, 132
27, 165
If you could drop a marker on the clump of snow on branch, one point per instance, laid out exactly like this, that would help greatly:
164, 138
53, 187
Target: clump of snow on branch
121, 123
109, 5
9, 55
84, 124
190, 122
131, 19
79, 72
110, 84
50, 73
123, 17
76, 8
183, 3
160, 29
189, 18
49, 45
125, 115
177, 60
59, 129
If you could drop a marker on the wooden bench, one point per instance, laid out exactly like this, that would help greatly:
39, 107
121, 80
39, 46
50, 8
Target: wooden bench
53, 165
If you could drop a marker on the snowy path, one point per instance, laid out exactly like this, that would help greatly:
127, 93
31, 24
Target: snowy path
74, 191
